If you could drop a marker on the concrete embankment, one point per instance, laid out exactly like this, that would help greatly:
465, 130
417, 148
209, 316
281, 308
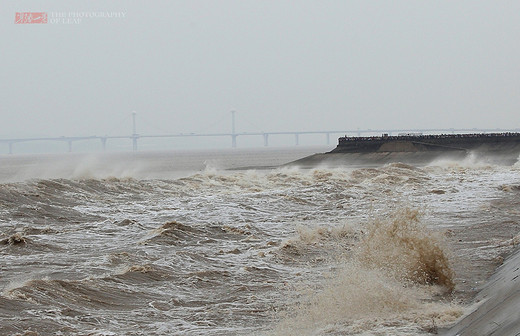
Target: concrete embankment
497, 307
371, 159
332, 159
490, 142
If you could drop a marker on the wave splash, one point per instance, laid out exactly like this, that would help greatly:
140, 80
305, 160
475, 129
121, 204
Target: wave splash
394, 276
405, 248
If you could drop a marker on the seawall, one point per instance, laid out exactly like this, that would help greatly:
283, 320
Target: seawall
335, 159
501, 148
497, 307
504, 142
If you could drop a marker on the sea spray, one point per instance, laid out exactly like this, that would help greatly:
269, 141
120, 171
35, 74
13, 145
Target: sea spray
403, 247
106, 256
352, 293
386, 279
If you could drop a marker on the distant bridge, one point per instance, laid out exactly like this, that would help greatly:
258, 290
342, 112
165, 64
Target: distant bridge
233, 135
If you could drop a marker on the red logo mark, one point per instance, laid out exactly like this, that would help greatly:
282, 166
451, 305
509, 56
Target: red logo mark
30, 17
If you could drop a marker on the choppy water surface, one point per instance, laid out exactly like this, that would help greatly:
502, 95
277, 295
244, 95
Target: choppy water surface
159, 244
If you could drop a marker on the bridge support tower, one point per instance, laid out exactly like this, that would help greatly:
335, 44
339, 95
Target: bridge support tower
135, 136
104, 143
233, 133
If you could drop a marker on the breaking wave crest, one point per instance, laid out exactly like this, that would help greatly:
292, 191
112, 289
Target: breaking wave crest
72, 293
388, 276
15, 239
405, 248
218, 252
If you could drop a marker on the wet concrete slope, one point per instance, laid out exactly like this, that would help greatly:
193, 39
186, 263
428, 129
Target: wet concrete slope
497, 308
333, 159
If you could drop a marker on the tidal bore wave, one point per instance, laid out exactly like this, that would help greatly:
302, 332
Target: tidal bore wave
328, 251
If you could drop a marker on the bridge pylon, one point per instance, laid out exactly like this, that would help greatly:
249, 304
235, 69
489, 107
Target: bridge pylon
233, 133
135, 136
266, 139
104, 143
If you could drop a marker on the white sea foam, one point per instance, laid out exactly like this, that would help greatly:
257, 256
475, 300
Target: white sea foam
217, 252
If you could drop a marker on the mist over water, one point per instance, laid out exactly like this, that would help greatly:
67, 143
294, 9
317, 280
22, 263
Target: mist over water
176, 243
144, 165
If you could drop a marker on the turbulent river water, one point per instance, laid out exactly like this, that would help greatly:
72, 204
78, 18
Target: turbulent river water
180, 244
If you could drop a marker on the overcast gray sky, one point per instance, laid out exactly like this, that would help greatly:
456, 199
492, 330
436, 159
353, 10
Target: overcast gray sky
282, 65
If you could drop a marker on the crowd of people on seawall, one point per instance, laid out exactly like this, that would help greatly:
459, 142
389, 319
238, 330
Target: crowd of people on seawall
418, 136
